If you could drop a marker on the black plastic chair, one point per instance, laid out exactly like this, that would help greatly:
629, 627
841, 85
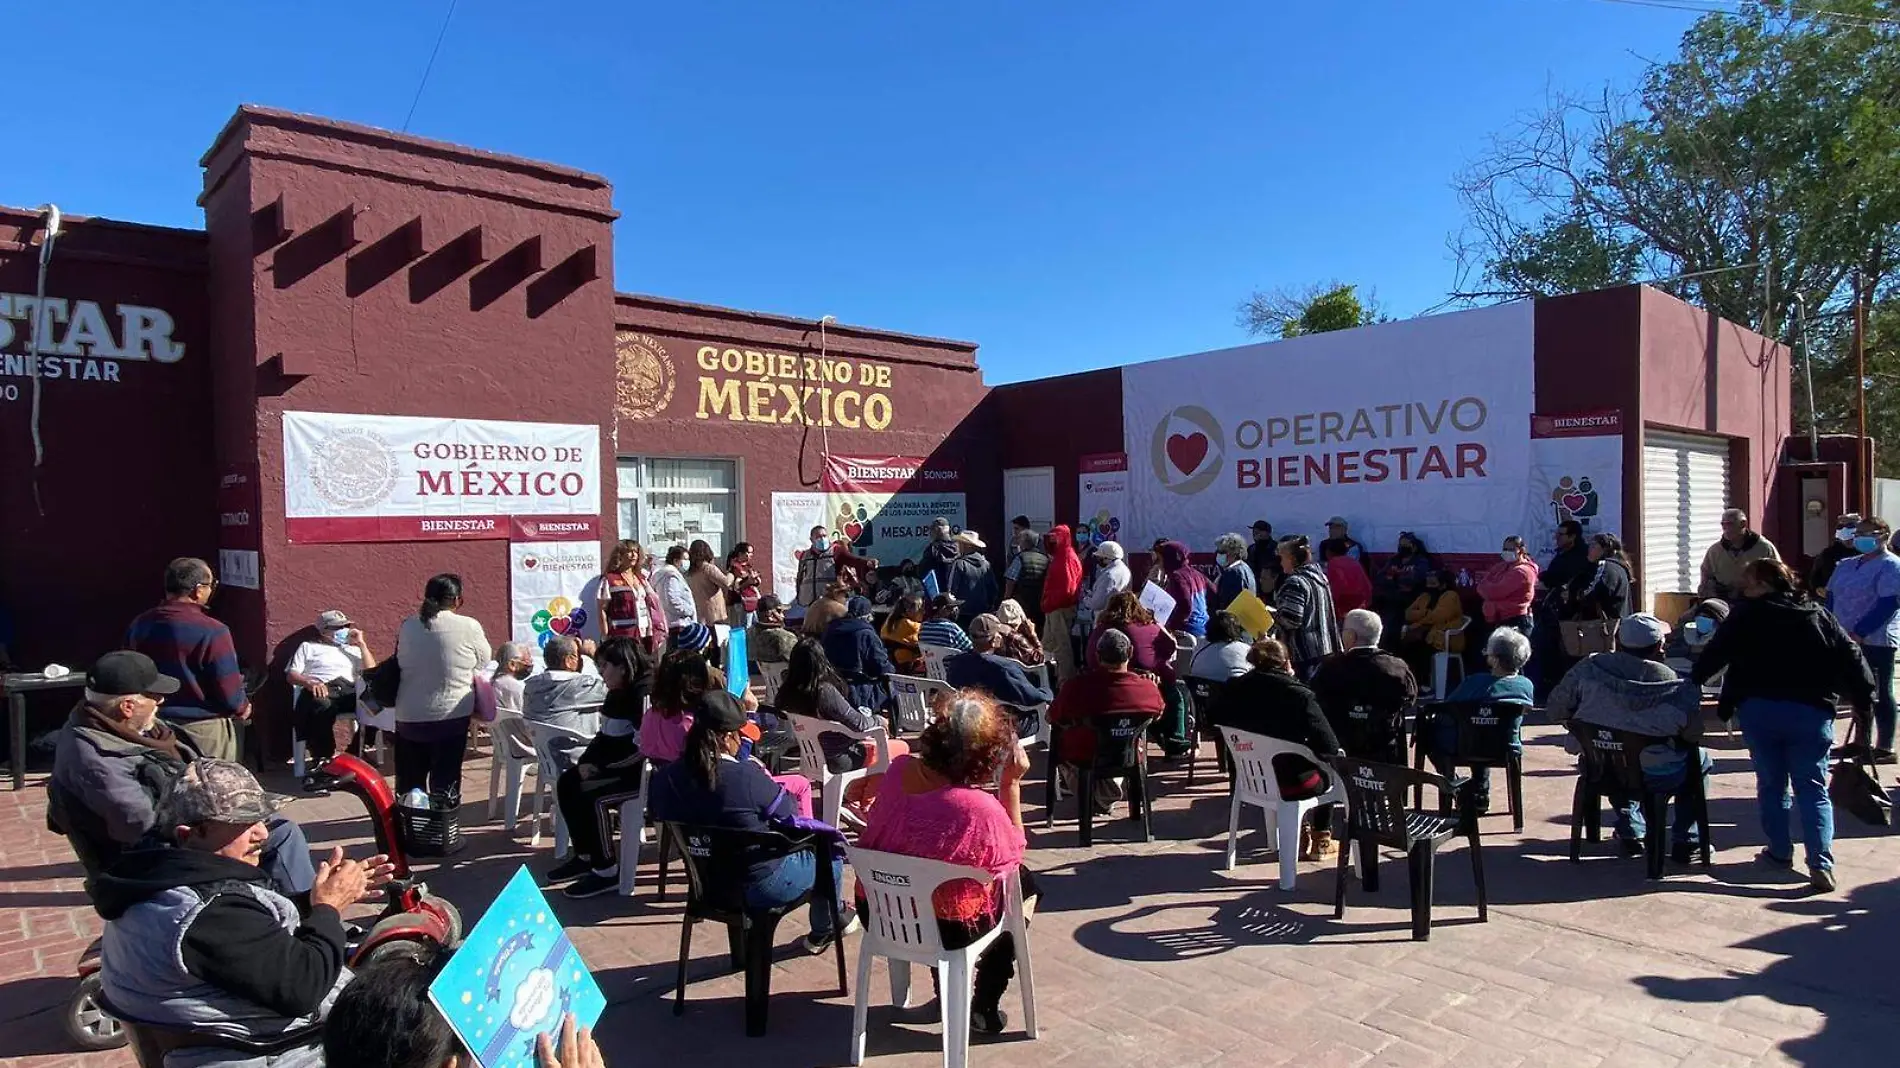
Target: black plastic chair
1121, 748
1376, 815
1485, 730
1202, 695
716, 860
1370, 732
151, 1042
1610, 762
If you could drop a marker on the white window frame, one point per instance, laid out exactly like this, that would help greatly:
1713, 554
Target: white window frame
638, 492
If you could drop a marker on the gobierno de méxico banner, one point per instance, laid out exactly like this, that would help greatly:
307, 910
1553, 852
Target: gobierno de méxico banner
354, 478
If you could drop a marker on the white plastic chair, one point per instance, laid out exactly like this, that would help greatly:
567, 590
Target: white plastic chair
298, 752
771, 676
1041, 676
900, 925
1255, 784
550, 768
915, 698
514, 759
1443, 661
811, 761
935, 657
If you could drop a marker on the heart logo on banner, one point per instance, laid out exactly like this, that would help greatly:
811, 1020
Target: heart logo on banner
560, 624
529, 563
1186, 451
852, 530
1575, 501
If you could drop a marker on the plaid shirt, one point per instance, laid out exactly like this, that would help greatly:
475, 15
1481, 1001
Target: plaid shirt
189, 645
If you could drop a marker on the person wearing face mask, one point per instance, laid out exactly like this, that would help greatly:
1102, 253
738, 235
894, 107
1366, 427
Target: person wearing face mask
1607, 594
1508, 588
1787, 662
325, 673
1738, 547
1429, 622
827, 563
1865, 594
1236, 575
1837, 550
513, 664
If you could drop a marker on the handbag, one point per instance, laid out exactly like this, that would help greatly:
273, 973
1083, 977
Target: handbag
383, 681
1582, 637
1853, 785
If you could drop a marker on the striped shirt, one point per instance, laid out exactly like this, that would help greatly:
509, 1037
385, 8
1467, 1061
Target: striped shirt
189, 645
946, 633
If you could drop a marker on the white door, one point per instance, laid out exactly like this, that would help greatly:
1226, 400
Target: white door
1685, 490
1030, 491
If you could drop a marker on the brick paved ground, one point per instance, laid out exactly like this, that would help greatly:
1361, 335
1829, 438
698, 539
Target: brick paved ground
1150, 954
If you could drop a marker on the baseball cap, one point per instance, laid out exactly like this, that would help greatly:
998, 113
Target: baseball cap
1111, 550
985, 627
1261, 524
125, 672
720, 711
1337, 521
943, 601
220, 790
1641, 631
333, 620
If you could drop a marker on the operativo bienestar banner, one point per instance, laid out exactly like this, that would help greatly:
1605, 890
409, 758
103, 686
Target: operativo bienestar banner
1421, 425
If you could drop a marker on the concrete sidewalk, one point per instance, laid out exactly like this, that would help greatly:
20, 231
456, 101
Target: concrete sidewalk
1149, 953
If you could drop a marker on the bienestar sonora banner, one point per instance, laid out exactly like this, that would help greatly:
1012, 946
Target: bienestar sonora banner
1420, 425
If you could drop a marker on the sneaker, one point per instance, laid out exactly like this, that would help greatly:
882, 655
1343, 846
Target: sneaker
1821, 880
988, 1021
1765, 857
572, 868
319, 783
1884, 756
1631, 847
1683, 852
815, 944
593, 884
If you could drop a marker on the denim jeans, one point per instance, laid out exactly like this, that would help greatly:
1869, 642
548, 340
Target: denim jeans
1789, 742
286, 858
794, 876
1664, 767
1880, 659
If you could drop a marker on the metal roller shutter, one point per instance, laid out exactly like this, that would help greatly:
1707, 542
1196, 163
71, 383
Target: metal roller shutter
1685, 490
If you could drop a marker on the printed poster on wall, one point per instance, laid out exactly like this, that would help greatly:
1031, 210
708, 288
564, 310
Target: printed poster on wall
1102, 497
548, 589
878, 506
401, 478
1418, 425
1576, 473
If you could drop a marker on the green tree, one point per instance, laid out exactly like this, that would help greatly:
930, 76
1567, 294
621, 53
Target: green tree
1314, 310
1763, 162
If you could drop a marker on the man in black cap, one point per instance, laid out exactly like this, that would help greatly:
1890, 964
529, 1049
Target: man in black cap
1839, 548
942, 628
197, 939
115, 759
1264, 557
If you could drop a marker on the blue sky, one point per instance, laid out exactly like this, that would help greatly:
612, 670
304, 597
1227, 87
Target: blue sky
1071, 185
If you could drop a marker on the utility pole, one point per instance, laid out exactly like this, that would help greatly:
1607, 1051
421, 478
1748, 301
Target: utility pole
1860, 390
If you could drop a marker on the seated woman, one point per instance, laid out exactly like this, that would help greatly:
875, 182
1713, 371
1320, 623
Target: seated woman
606, 773
1271, 701
934, 804
684, 677
1224, 656
1505, 653
812, 687
1428, 625
1154, 654
853, 647
1020, 642
712, 785
900, 634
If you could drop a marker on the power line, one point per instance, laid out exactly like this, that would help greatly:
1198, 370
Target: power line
430, 66
1715, 7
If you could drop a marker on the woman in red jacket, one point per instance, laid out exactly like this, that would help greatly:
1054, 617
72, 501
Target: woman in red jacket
1509, 587
1061, 589
1352, 587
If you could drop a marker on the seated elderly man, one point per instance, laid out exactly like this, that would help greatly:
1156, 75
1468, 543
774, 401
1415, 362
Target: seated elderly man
198, 942
771, 641
985, 668
565, 696
324, 672
1505, 654
1106, 689
115, 759
1633, 690
1365, 691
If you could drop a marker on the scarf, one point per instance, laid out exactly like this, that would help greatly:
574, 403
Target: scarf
1062, 585
162, 739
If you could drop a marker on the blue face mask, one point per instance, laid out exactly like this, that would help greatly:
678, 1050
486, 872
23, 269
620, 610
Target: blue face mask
341, 637
821, 543
1866, 543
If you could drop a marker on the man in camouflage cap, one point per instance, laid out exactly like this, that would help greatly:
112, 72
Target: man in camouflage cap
196, 939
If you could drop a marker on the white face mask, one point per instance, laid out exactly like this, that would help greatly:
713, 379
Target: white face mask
1509, 556
1844, 535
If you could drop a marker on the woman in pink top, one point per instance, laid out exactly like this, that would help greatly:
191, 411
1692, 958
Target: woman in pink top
932, 804
1508, 587
683, 678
